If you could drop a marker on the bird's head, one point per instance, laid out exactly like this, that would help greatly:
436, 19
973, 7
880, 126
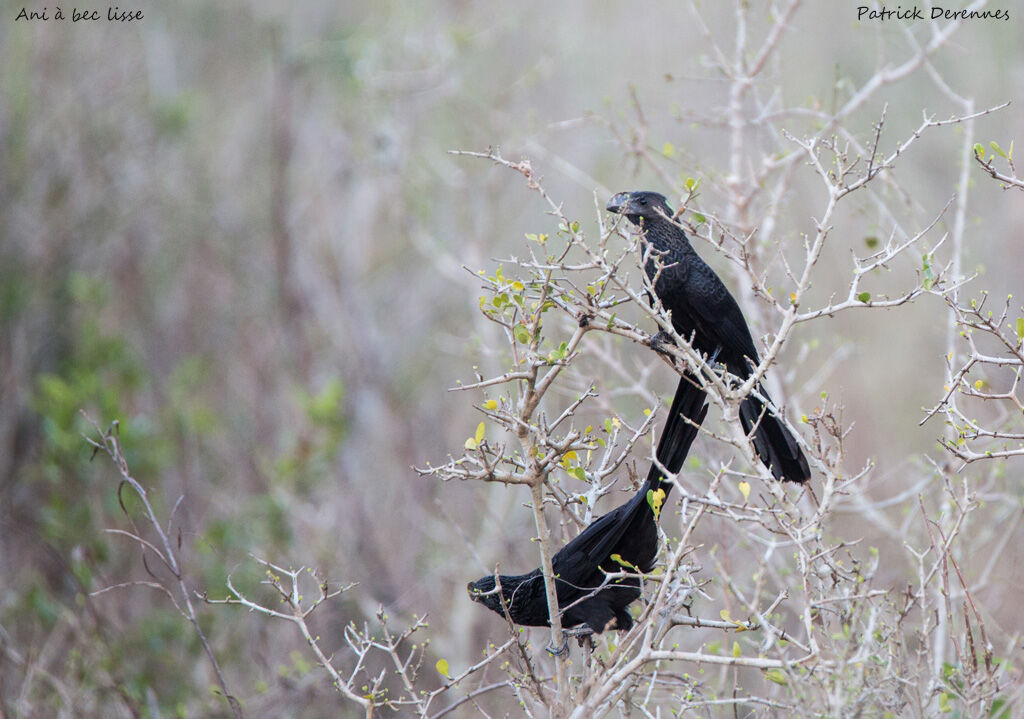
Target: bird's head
485, 591
641, 204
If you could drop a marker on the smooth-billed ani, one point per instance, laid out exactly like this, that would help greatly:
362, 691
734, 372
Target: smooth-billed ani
629, 531
704, 313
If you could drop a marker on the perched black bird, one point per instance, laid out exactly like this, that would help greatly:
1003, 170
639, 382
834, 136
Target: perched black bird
703, 309
629, 531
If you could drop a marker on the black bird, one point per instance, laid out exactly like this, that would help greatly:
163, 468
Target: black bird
703, 309
629, 531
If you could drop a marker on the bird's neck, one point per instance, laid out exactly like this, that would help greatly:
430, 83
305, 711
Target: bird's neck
665, 236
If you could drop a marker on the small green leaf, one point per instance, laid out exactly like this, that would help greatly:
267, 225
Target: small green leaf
776, 675
578, 473
668, 149
736, 650
699, 218
442, 667
521, 334
997, 149
944, 706
1020, 329
617, 558
690, 183
979, 150
864, 297
656, 498
871, 242
480, 429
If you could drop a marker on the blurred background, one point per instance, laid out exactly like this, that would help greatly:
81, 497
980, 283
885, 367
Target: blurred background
234, 228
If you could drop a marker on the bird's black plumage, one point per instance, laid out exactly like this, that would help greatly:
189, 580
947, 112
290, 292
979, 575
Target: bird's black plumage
704, 312
629, 531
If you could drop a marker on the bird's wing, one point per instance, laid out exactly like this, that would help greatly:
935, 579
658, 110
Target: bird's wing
581, 556
719, 314
601, 538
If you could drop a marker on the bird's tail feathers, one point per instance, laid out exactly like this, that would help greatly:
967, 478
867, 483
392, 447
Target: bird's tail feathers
684, 418
773, 442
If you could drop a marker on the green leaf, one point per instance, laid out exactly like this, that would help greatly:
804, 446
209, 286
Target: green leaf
699, 218
578, 473
656, 498
480, 429
1020, 329
944, 706
997, 149
442, 667
668, 149
864, 297
690, 183
871, 242
521, 334
776, 675
617, 558
736, 650
979, 150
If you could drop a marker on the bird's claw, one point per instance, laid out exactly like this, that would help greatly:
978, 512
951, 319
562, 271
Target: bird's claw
660, 341
560, 651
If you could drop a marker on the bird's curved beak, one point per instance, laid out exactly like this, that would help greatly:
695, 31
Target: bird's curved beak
618, 202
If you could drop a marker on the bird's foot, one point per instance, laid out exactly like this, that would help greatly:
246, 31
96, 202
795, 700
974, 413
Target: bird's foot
582, 634
560, 651
661, 341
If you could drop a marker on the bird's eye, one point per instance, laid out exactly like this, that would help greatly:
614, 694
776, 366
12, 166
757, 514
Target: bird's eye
643, 200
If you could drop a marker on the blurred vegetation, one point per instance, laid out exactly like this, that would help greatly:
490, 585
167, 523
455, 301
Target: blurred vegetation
233, 228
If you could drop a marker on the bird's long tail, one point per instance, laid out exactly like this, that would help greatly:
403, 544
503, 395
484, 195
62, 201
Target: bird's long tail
678, 434
773, 442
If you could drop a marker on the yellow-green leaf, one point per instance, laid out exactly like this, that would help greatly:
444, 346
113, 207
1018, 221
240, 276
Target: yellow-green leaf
736, 649
491, 404
521, 334
724, 614
471, 443
480, 429
668, 149
1020, 328
864, 297
656, 498
776, 675
944, 706
442, 667
745, 490
617, 558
